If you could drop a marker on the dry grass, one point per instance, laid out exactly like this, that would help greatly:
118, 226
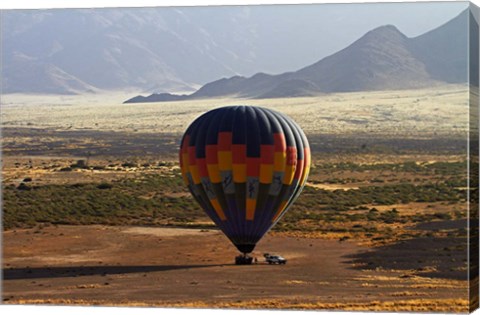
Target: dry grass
417, 305
385, 113
406, 112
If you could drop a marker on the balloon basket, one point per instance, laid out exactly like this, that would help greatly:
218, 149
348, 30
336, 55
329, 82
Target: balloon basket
243, 260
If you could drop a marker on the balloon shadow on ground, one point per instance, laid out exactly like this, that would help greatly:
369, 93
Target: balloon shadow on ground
434, 257
79, 271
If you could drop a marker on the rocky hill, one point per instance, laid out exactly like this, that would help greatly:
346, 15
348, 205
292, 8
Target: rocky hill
383, 58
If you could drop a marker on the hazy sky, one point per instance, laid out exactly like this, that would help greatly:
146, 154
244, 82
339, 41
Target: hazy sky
261, 38
349, 21
411, 18
328, 28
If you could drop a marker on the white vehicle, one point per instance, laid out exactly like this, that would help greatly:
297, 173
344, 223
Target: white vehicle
275, 259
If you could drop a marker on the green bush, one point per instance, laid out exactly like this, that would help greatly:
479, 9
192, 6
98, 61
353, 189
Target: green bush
105, 186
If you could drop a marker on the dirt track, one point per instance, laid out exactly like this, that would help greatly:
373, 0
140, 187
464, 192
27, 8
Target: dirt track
178, 267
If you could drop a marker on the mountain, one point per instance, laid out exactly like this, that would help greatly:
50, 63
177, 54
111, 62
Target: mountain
474, 53
377, 61
178, 49
148, 49
162, 97
383, 58
443, 50
42, 78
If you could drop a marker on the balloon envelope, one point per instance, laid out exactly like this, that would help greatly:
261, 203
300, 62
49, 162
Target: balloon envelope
245, 166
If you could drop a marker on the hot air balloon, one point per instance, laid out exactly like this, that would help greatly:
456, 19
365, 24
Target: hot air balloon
245, 166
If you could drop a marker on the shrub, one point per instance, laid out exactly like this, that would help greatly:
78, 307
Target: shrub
22, 186
105, 186
79, 164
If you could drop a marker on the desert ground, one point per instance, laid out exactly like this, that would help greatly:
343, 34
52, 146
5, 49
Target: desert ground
426, 112
95, 212
104, 265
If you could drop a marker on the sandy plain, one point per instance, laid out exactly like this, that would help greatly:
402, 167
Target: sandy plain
336, 268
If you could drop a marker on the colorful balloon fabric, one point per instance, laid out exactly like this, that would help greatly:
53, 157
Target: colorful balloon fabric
245, 166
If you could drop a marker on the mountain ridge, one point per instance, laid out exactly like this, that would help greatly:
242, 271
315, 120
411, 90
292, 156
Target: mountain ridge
383, 58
